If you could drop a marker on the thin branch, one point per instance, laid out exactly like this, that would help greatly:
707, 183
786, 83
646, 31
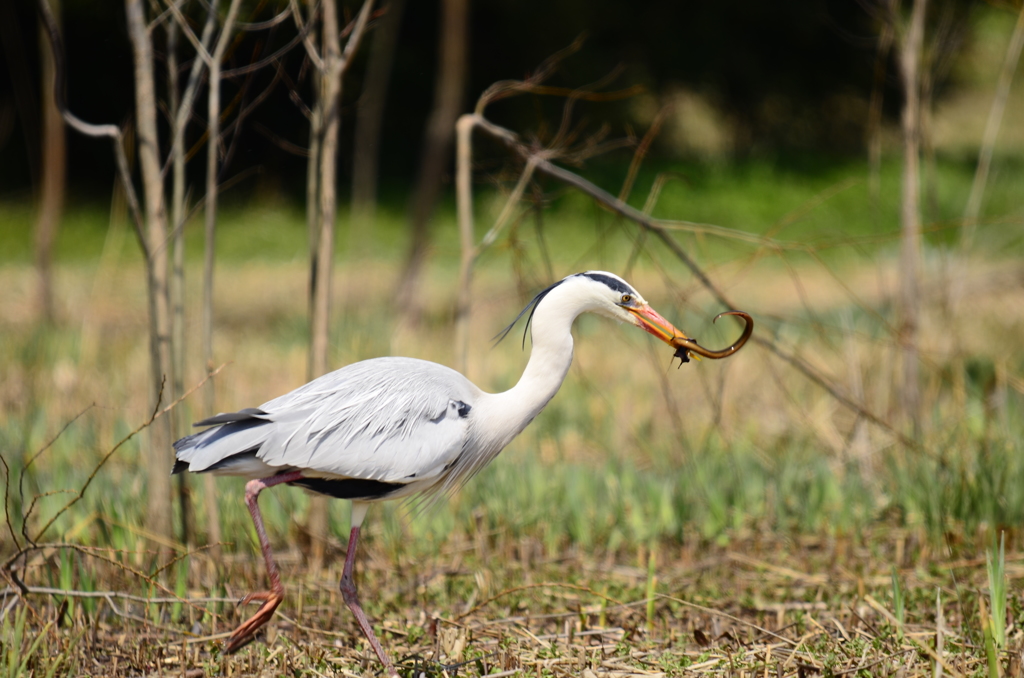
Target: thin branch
150, 623
210, 207
60, 76
995, 118
181, 556
32, 507
234, 128
7, 502
70, 593
283, 144
160, 18
32, 459
641, 153
242, 70
200, 47
221, 187
149, 579
225, 32
585, 93
506, 212
264, 25
157, 413
307, 40
357, 30
192, 87
508, 88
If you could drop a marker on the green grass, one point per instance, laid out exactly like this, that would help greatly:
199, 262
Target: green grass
808, 200
714, 491
669, 476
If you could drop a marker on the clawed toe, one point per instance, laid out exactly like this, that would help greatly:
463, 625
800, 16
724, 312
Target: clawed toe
239, 640
245, 633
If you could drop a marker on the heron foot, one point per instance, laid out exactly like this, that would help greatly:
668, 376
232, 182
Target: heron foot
244, 634
348, 592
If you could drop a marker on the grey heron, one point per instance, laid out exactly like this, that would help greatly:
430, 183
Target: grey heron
391, 427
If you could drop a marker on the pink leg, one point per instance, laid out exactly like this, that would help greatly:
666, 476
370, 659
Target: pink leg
272, 598
348, 591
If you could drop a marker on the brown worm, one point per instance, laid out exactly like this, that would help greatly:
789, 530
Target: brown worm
684, 345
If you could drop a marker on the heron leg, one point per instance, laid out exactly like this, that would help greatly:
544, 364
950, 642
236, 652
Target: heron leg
272, 598
348, 591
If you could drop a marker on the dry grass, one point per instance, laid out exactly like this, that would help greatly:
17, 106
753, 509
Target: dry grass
760, 606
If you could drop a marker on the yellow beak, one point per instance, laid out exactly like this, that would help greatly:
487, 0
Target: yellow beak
651, 321
686, 347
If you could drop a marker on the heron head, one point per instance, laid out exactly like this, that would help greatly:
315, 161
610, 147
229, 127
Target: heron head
618, 300
609, 295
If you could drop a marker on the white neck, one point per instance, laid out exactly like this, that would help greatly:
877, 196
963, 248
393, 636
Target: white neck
510, 412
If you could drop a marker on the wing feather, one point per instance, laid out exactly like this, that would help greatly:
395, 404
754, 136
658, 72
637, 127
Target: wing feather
386, 419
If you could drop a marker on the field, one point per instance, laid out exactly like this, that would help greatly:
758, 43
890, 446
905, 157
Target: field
726, 518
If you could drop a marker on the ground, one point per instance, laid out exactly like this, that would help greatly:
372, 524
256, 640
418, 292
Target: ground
760, 606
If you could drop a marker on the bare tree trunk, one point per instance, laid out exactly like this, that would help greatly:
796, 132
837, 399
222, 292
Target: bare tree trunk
54, 174
320, 296
995, 119
177, 288
151, 230
329, 102
313, 215
316, 521
180, 112
177, 284
210, 205
910, 217
369, 116
159, 459
467, 239
210, 230
448, 95
330, 98
930, 178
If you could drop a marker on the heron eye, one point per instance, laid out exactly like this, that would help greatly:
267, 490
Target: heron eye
626, 298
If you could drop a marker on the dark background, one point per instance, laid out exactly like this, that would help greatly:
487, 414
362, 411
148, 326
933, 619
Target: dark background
792, 77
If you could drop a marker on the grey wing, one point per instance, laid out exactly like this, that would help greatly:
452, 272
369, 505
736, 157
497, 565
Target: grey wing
388, 419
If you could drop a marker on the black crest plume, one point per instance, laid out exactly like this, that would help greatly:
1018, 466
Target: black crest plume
531, 307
